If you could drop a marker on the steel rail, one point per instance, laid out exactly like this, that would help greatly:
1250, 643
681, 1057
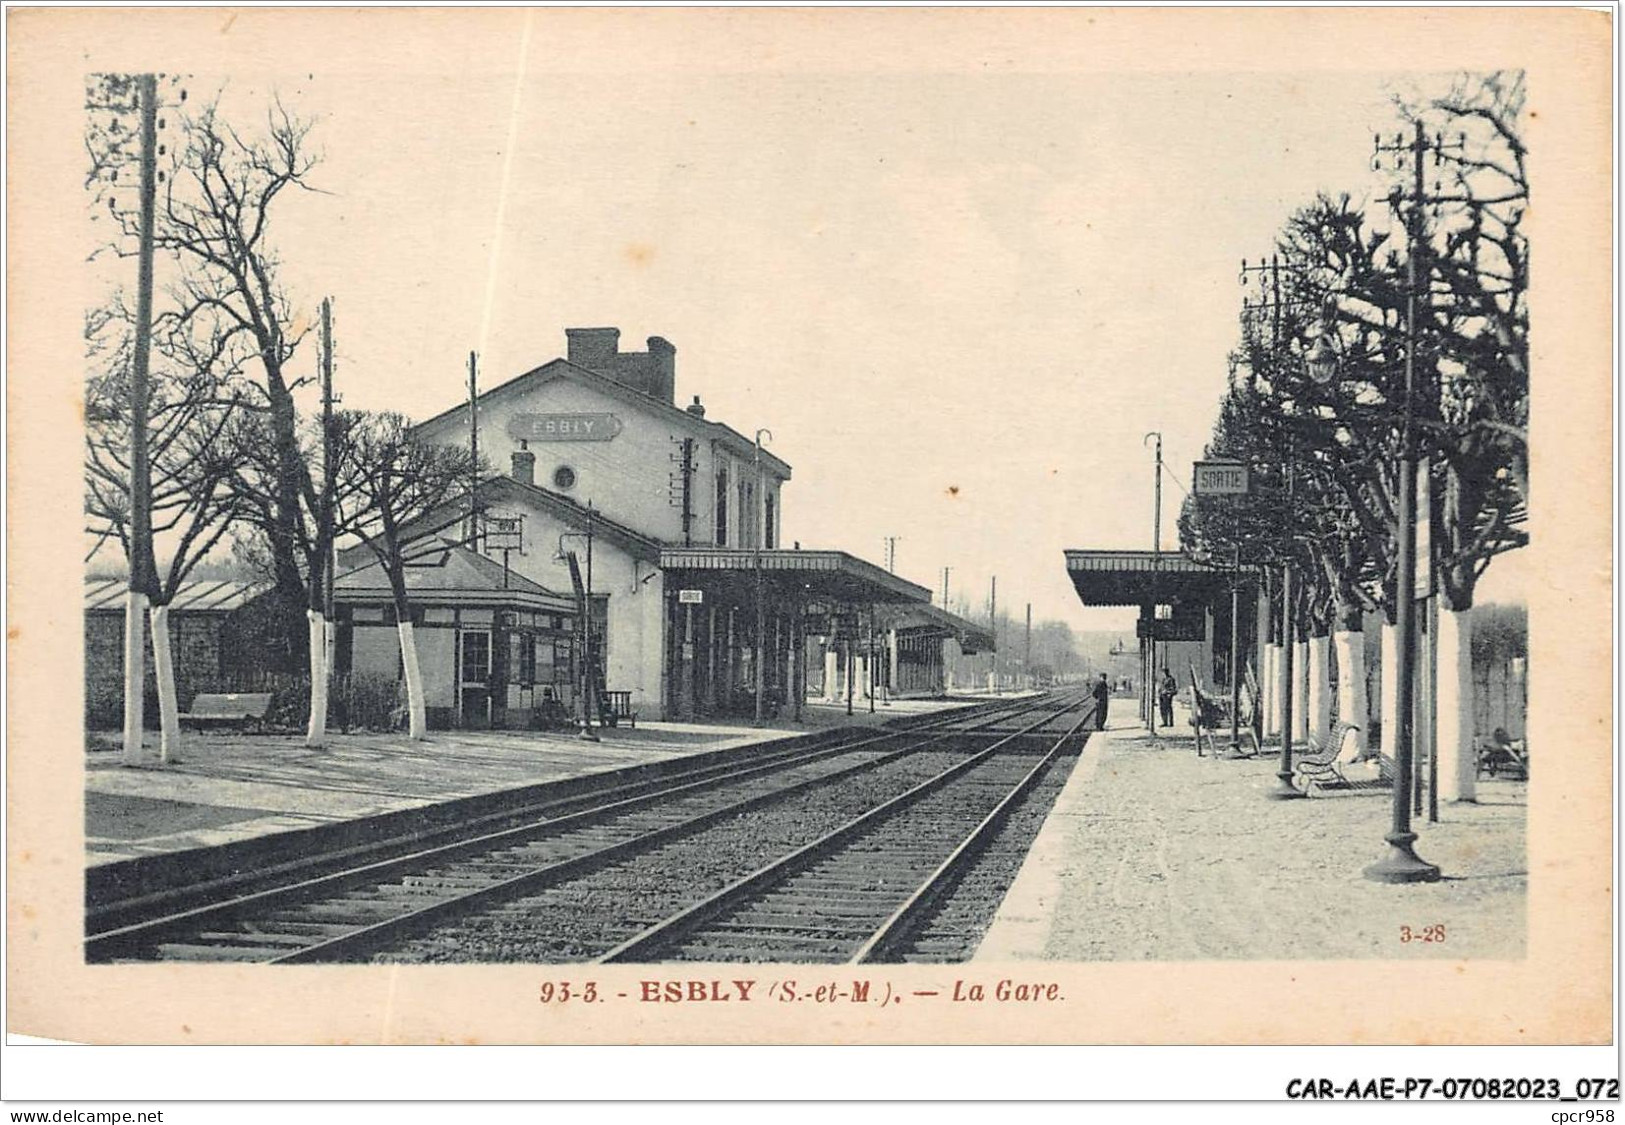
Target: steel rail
680, 925
888, 942
109, 944
369, 938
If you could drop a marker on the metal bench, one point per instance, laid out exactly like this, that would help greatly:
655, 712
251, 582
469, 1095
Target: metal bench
228, 709
1210, 714
615, 708
1318, 763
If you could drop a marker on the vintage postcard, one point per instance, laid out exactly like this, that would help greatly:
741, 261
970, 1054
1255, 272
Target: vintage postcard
811, 526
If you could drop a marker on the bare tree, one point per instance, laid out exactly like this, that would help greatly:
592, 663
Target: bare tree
189, 506
223, 183
392, 479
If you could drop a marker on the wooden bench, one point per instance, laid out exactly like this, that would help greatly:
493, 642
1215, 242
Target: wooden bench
228, 709
1319, 763
615, 708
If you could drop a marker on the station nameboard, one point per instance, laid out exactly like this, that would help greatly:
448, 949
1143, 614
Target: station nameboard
1220, 478
563, 427
505, 533
690, 597
1175, 629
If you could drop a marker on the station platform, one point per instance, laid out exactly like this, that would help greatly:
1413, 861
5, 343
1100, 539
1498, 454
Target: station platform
232, 787
1153, 854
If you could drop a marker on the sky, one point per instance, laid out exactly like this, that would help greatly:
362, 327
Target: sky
958, 301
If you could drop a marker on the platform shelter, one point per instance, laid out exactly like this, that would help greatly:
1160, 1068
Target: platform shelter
1184, 613
715, 629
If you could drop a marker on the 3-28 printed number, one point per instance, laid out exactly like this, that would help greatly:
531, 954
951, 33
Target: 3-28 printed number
1430, 935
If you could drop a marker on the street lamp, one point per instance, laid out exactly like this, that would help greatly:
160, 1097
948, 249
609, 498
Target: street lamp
1402, 864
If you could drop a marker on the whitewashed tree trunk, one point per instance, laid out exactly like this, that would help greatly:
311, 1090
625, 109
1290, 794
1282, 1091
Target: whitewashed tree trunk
1320, 688
1351, 701
135, 680
1270, 684
1453, 716
417, 718
1300, 692
163, 666
1388, 685
316, 728
832, 671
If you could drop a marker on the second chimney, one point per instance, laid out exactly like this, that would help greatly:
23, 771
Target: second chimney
524, 466
695, 408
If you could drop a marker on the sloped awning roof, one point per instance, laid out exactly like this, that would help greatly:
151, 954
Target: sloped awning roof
834, 575
1131, 578
441, 572
972, 638
205, 595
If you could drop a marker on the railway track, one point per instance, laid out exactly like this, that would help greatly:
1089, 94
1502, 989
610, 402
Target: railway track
638, 910
354, 912
876, 888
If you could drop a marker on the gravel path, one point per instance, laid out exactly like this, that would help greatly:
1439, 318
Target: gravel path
1174, 857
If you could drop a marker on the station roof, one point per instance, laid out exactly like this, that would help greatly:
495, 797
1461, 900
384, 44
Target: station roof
972, 638
727, 436
1143, 577
205, 595
441, 572
565, 509
821, 574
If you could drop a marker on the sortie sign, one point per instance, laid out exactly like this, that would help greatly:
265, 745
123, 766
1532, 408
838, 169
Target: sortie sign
1220, 478
563, 427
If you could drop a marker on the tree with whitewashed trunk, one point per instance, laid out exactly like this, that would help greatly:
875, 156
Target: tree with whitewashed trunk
393, 480
189, 405
225, 182
1479, 437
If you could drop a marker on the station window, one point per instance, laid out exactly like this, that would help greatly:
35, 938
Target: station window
722, 507
770, 505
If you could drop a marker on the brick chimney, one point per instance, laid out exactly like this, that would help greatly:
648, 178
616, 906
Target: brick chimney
662, 369
653, 372
524, 464
695, 408
593, 348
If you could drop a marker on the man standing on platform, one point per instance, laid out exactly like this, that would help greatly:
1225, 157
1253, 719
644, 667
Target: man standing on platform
1103, 695
1165, 696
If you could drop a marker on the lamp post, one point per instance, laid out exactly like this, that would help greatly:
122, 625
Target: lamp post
1402, 864
1235, 651
757, 518
588, 680
1149, 693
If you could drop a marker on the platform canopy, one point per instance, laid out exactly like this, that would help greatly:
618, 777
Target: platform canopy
1139, 578
931, 621
817, 575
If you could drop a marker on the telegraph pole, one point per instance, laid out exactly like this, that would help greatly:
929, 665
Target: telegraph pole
329, 477
993, 627
1027, 661
945, 572
891, 553
1402, 864
473, 453
143, 567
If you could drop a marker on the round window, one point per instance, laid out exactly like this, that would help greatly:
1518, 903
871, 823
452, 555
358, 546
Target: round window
564, 477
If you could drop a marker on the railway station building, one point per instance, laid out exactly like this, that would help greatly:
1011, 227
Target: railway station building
675, 521
1184, 613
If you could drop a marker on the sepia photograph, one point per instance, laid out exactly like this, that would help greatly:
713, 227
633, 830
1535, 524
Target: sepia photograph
812, 526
